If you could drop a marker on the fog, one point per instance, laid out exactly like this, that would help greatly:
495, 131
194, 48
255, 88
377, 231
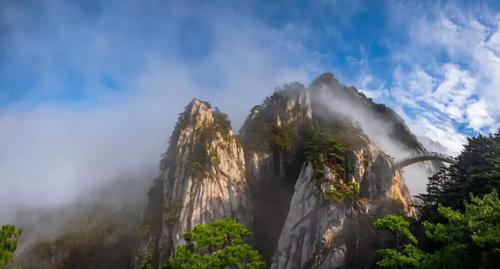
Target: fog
133, 79
101, 88
378, 130
51, 153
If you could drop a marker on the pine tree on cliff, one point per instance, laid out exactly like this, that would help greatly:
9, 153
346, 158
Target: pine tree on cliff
462, 230
216, 245
477, 171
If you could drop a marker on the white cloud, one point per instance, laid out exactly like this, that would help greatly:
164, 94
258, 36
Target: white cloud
453, 93
446, 134
478, 116
441, 101
50, 152
447, 75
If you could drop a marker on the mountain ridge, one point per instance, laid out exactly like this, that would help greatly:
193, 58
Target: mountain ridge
272, 144
302, 174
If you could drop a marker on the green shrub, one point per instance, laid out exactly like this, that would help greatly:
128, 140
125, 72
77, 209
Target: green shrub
467, 239
326, 153
285, 138
216, 245
9, 235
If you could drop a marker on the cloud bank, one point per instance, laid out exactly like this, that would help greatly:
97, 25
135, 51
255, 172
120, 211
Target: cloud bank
109, 82
90, 90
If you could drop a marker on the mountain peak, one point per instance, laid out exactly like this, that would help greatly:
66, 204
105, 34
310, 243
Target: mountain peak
202, 179
326, 78
199, 102
197, 113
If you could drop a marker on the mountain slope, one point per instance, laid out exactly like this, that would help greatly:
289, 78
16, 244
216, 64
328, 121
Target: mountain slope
306, 178
309, 171
202, 179
290, 200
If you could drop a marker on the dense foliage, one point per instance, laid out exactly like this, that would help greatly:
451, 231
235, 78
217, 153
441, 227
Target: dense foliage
9, 235
327, 155
460, 215
469, 239
398, 225
262, 132
216, 245
477, 171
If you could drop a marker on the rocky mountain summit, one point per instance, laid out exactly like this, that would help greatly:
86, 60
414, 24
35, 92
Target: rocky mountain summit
306, 179
202, 179
307, 173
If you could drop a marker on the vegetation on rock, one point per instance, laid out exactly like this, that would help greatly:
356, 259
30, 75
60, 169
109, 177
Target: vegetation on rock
285, 138
262, 131
327, 157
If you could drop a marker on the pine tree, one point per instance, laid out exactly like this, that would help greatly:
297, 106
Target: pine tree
477, 171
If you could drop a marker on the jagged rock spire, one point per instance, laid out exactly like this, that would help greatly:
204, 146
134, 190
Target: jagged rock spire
202, 179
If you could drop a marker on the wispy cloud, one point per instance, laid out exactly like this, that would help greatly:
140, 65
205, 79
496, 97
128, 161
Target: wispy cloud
107, 78
445, 76
90, 93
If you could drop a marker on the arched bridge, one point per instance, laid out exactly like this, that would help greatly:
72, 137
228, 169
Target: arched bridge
426, 156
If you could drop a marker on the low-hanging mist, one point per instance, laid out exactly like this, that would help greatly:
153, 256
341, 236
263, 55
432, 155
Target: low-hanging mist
123, 107
379, 131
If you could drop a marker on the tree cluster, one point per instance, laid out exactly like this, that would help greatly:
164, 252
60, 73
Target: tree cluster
459, 215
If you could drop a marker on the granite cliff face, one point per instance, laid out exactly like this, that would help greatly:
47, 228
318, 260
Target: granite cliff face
270, 136
306, 179
202, 179
318, 233
304, 174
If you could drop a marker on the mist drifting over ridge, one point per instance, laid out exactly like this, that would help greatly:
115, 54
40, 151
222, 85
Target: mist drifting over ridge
51, 150
379, 127
89, 92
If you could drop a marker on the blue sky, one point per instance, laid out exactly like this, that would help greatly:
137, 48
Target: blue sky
399, 52
80, 78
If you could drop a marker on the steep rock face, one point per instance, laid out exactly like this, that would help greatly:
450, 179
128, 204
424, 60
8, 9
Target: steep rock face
326, 86
300, 217
312, 231
319, 233
329, 98
311, 226
269, 136
267, 132
202, 179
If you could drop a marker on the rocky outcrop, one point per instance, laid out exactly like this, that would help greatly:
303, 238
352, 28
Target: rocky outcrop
202, 179
269, 137
303, 174
307, 180
327, 88
318, 232
382, 124
311, 225
268, 132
